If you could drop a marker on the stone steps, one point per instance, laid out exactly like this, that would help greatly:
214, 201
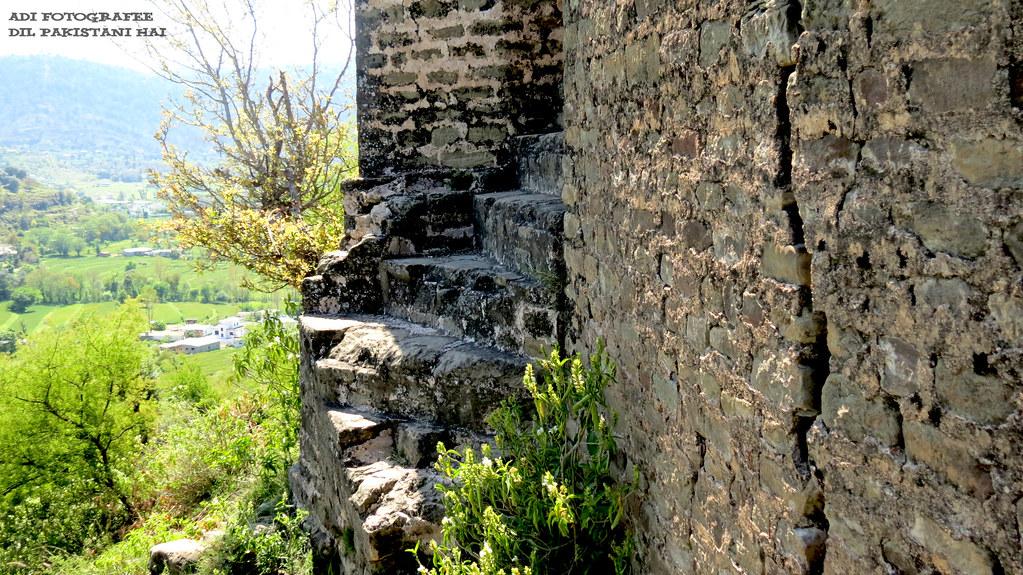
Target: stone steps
523, 230
368, 477
539, 162
418, 214
456, 331
473, 296
406, 370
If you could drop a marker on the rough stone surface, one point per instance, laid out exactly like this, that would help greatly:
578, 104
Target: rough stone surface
364, 495
524, 230
473, 296
797, 228
540, 162
408, 370
445, 83
175, 557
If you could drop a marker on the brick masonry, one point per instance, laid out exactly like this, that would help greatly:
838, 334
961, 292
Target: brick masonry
445, 83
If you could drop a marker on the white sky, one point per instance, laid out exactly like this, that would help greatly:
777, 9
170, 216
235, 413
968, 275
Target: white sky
285, 26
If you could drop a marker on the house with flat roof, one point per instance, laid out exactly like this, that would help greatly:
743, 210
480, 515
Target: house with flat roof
193, 345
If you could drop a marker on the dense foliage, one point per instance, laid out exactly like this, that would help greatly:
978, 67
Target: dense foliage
108, 450
548, 499
76, 409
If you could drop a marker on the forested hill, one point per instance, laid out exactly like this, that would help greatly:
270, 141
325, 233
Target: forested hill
55, 104
50, 103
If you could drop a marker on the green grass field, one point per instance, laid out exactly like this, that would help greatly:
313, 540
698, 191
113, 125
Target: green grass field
43, 316
158, 267
218, 367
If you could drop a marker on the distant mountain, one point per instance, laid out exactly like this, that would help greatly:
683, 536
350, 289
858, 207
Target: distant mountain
56, 104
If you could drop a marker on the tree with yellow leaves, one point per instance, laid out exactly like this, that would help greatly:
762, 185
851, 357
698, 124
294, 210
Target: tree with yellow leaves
272, 201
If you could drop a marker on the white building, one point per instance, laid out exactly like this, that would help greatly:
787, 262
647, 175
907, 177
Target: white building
193, 345
163, 335
140, 251
196, 329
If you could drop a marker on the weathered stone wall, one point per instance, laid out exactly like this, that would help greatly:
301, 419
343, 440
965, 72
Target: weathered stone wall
445, 83
798, 229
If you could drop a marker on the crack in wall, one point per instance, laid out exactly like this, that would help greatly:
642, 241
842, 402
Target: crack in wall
815, 356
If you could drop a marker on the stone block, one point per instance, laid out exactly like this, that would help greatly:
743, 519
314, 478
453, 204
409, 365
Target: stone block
950, 554
901, 19
790, 264
788, 385
1008, 314
984, 399
902, 367
949, 85
942, 228
846, 409
990, 162
950, 458
770, 29
714, 36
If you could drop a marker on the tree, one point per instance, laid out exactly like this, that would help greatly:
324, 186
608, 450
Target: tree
7, 283
8, 341
272, 204
148, 298
270, 359
77, 408
23, 298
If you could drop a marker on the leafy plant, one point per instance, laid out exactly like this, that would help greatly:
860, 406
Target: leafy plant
547, 500
270, 360
276, 545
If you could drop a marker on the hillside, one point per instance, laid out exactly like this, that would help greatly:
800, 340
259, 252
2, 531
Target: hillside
52, 103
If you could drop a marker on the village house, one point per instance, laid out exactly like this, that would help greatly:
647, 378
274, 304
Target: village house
192, 345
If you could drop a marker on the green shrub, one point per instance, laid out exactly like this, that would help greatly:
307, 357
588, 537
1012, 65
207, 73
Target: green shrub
269, 545
24, 298
186, 382
194, 456
547, 500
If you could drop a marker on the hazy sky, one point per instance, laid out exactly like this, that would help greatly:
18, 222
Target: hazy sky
284, 24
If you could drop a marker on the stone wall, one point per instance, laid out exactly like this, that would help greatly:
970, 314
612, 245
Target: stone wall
445, 83
799, 230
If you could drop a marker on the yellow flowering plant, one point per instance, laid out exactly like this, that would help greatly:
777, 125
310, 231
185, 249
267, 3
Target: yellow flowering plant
549, 498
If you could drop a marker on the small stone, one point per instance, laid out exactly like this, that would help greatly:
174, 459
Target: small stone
790, 264
695, 235
845, 408
901, 367
871, 87
175, 557
1008, 314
